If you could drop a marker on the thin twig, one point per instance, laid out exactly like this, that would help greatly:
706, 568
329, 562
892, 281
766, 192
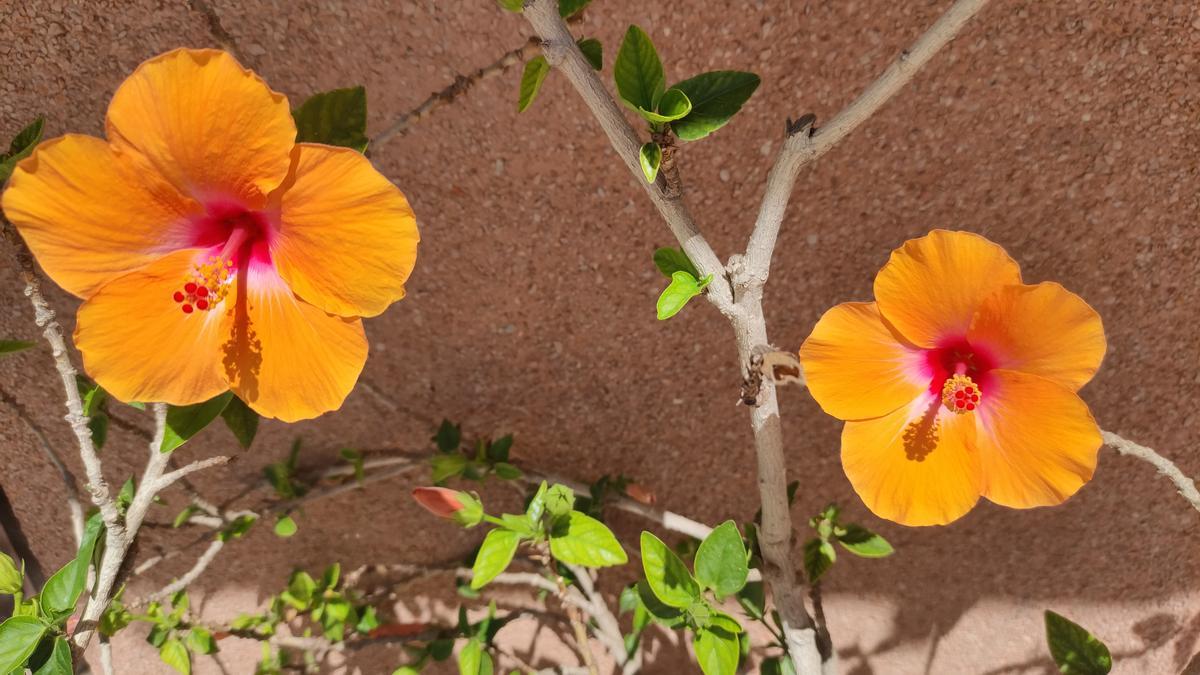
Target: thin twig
216, 27
461, 85
1184, 485
191, 575
167, 479
824, 640
604, 622
802, 147
582, 644
106, 657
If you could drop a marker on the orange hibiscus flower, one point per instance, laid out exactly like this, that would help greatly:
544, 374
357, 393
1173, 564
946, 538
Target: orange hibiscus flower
212, 251
958, 381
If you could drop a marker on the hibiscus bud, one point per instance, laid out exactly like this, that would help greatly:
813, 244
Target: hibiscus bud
462, 507
640, 494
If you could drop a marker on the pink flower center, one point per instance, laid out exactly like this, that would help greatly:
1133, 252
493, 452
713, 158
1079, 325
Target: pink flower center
243, 237
958, 369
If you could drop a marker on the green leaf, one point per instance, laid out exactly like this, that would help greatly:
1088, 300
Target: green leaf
537, 503
715, 97
21, 147
355, 459
116, 617
580, 539
507, 471
59, 661
667, 575
285, 527
864, 543
10, 576
497, 450
200, 641
337, 117
11, 346
717, 650
299, 593
511, 5
670, 260
473, 660
650, 157
91, 395
593, 51
447, 466
125, 494
777, 665
721, 560
534, 74
241, 420
368, 622
174, 654
19, 636
494, 555
819, 556
568, 8
752, 599
184, 422
675, 296
448, 436
93, 398
1075, 650
98, 425
673, 105
671, 617
329, 579
638, 71
63, 588
239, 527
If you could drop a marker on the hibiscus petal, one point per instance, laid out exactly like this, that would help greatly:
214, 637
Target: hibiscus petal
139, 345
857, 367
88, 217
930, 287
1037, 440
1043, 330
286, 358
347, 239
211, 127
914, 466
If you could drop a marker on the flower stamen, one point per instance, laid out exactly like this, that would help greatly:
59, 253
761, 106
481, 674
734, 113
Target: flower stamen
205, 287
960, 394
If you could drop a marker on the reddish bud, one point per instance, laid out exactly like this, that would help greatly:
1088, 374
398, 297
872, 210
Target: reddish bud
640, 494
441, 502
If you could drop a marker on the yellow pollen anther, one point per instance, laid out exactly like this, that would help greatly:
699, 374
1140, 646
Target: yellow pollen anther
205, 287
961, 395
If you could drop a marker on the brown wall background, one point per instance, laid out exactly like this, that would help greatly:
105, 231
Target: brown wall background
1068, 131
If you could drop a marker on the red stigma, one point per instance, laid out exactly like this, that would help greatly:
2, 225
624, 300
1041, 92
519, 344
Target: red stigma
187, 309
178, 296
960, 394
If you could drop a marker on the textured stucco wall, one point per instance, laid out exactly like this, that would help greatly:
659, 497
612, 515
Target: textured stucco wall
1067, 131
